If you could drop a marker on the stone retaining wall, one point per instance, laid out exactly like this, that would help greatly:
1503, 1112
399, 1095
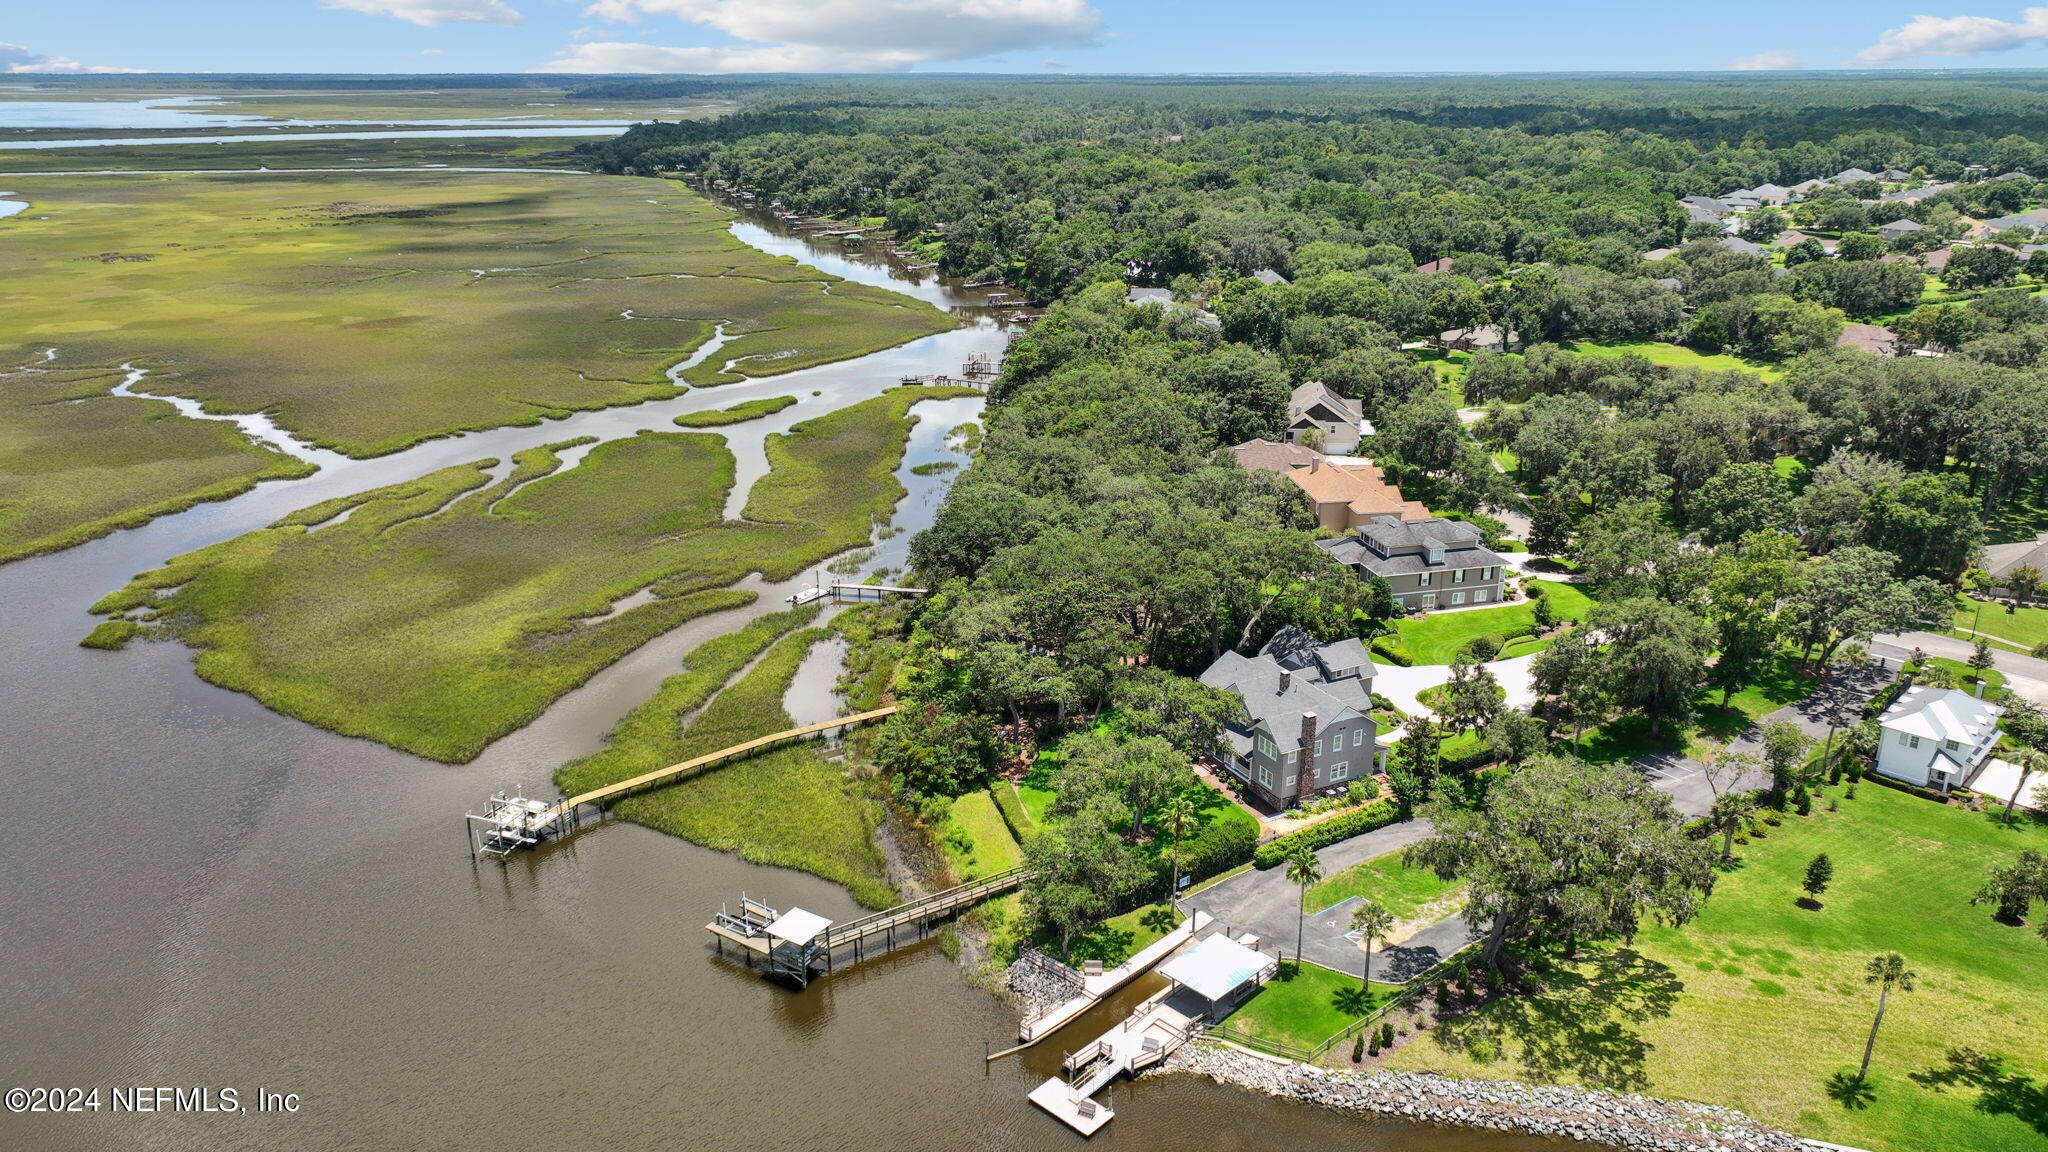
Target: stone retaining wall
1633, 1123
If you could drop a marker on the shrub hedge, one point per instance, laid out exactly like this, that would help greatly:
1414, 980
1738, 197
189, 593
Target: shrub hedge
1378, 814
1392, 649
1012, 810
1223, 845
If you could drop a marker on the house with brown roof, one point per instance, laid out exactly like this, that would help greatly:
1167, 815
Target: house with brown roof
1439, 265
1343, 494
1869, 338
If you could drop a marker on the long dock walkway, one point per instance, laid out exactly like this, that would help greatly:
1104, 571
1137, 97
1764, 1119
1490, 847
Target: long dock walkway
509, 823
796, 942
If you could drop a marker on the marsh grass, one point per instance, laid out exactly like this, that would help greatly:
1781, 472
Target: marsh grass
750, 410
790, 807
448, 611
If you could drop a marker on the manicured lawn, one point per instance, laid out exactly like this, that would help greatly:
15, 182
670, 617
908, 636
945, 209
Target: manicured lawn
1965, 674
1401, 889
1778, 683
1118, 938
2025, 627
1305, 1005
1436, 638
1760, 1002
1673, 356
976, 840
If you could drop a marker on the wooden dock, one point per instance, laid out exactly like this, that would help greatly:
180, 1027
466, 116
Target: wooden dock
750, 929
870, 593
698, 763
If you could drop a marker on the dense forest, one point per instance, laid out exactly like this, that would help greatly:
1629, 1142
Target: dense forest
1668, 406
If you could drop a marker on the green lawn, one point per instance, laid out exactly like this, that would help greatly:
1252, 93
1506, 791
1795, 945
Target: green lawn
1305, 1005
1436, 638
1404, 891
2024, 627
1672, 356
1759, 1003
1118, 938
447, 611
976, 840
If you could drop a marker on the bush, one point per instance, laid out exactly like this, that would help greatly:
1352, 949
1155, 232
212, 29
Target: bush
1483, 648
1221, 846
1358, 1048
1390, 648
1386, 1034
1803, 800
1373, 1049
1378, 814
1012, 810
1362, 791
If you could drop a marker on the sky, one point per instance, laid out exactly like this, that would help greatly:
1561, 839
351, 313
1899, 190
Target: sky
1013, 36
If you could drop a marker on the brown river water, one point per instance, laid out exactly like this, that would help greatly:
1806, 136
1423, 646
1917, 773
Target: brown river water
196, 892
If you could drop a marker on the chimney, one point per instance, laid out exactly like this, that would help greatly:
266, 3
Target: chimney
1286, 678
1308, 754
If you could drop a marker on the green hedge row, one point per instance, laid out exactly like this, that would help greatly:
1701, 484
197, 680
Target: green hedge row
1391, 648
1012, 808
1377, 814
1221, 846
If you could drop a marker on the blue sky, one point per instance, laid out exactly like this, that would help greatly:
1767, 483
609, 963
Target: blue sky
1010, 35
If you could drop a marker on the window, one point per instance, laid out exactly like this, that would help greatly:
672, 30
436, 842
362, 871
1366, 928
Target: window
1915, 740
1479, 596
1357, 737
1436, 555
1457, 597
1952, 746
1293, 758
1319, 745
1266, 775
1422, 581
1429, 599
1902, 739
1265, 745
1339, 771
1290, 783
1458, 577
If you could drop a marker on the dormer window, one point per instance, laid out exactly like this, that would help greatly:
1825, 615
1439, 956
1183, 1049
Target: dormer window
1436, 555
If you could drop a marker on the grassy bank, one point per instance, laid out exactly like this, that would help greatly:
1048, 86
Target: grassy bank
1437, 637
443, 613
1401, 890
750, 410
366, 313
1306, 1004
77, 463
1761, 1003
789, 807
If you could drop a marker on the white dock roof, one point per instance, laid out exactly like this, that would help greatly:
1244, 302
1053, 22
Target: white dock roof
798, 926
1215, 968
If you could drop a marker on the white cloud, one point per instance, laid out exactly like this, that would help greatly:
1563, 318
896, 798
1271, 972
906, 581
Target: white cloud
1773, 61
432, 52
16, 59
432, 13
1955, 36
835, 35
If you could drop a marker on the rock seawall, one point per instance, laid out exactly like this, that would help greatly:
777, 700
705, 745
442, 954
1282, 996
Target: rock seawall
1633, 1123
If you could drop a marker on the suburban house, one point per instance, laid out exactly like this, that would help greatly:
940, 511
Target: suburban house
1439, 265
1486, 337
1308, 717
2032, 221
2001, 559
1871, 338
1335, 419
1344, 494
1430, 563
1738, 244
1936, 737
1706, 205
1898, 228
1268, 277
1139, 297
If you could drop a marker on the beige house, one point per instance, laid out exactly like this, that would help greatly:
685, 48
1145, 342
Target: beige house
1345, 494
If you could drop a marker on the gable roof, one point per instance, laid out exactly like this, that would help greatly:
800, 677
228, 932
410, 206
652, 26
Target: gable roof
1900, 228
1440, 264
1870, 338
2000, 559
1851, 175
1149, 296
1311, 393
1267, 456
1362, 487
1256, 681
1268, 276
1738, 244
1942, 714
2038, 218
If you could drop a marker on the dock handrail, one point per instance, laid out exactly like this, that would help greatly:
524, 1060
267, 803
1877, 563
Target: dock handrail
597, 795
938, 903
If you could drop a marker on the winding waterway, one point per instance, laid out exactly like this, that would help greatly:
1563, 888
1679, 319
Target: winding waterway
202, 893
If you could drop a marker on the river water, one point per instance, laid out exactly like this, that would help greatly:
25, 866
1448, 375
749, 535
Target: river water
203, 893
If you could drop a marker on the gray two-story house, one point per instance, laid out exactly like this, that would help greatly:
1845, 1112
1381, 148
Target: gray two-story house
1308, 724
1433, 563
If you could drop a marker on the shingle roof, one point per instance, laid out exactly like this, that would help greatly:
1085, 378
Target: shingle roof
1738, 244
2038, 218
1310, 393
1268, 276
2000, 559
1256, 680
1363, 488
1149, 296
1296, 650
1267, 456
1943, 714
1900, 228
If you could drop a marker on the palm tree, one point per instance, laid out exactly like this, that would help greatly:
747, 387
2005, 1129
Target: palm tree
1885, 971
2028, 762
1372, 922
1729, 812
1304, 869
1178, 812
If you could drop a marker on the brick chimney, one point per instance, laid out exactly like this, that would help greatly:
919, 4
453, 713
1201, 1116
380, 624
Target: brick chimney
1308, 754
1286, 678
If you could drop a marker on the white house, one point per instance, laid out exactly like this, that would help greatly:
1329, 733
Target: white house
1937, 737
